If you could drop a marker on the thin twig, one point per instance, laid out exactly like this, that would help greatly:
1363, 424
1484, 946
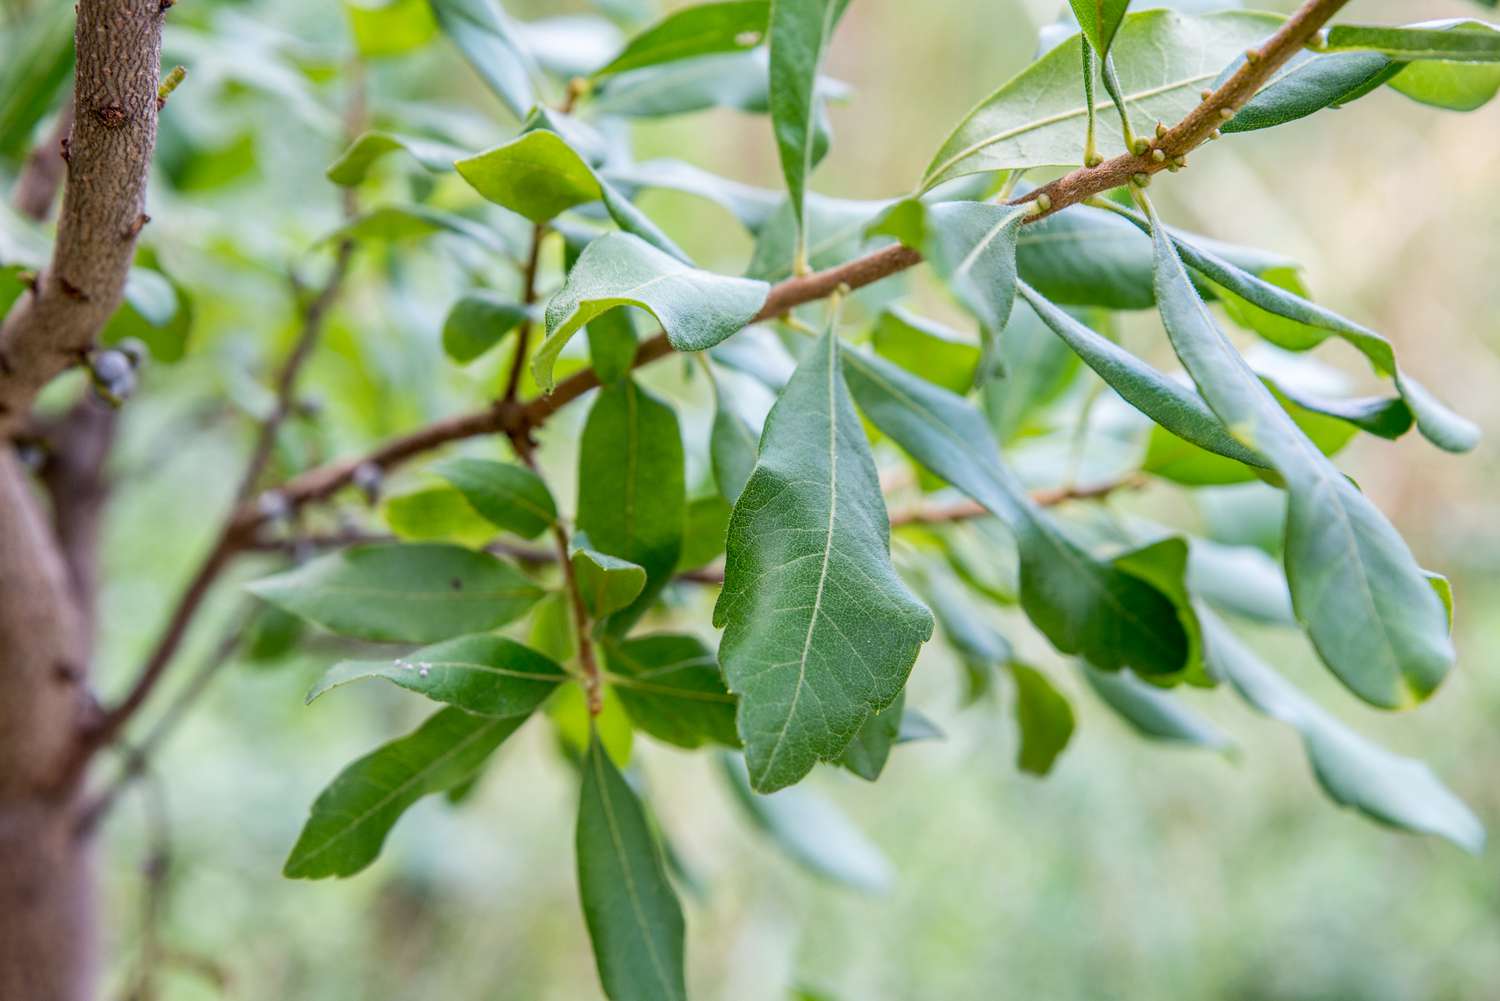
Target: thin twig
528, 299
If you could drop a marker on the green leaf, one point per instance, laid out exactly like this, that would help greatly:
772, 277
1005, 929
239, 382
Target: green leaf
38, 63
1082, 605
482, 674
1355, 586
937, 353
868, 752
351, 818
414, 222
1036, 370
750, 205
402, 592
510, 497
820, 633
1171, 405
1475, 42
1457, 86
1309, 82
1045, 718
436, 514
703, 538
486, 36
538, 175
697, 309
1037, 119
631, 492
732, 445
1152, 712
1353, 771
693, 31
607, 583
633, 917
477, 322
671, 688
389, 27
1099, 19
812, 832
800, 31
354, 164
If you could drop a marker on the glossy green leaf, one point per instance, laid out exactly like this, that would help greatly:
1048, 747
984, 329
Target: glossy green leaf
820, 633
1045, 719
696, 308
477, 322
1353, 771
671, 688
355, 163
1355, 586
351, 818
538, 175
436, 514
1476, 42
1038, 119
482, 674
510, 497
800, 31
870, 749
1082, 605
812, 832
631, 493
701, 29
1457, 86
632, 913
937, 353
606, 582
1099, 19
1152, 712
486, 36
403, 592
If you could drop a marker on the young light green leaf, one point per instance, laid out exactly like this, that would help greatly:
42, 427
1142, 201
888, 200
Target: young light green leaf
937, 353
1038, 120
477, 322
538, 175
487, 38
1082, 605
1045, 719
483, 674
671, 688
631, 910
1353, 771
391, 28
1355, 586
631, 492
820, 633
868, 752
697, 309
800, 31
403, 592
1474, 42
1152, 712
354, 164
435, 513
510, 497
702, 29
607, 583
813, 832
1099, 19
351, 818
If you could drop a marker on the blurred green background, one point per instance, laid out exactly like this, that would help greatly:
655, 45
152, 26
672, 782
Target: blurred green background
1134, 871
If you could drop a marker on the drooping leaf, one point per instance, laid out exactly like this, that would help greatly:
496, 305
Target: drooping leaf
702, 29
1355, 586
1353, 771
350, 819
800, 31
1082, 605
607, 583
482, 674
820, 633
631, 492
1045, 718
510, 497
937, 353
697, 309
538, 175
354, 164
403, 592
1038, 119
487, 37
477, 322
812, 831
1152, 712
633, 917
671, 687
1036, 370
868, 752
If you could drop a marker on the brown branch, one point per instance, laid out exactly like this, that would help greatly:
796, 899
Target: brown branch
528, 299
109, 156
42, 175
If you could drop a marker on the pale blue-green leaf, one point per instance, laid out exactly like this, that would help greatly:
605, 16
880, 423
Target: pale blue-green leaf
486, 36
1152, 712
752, 206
